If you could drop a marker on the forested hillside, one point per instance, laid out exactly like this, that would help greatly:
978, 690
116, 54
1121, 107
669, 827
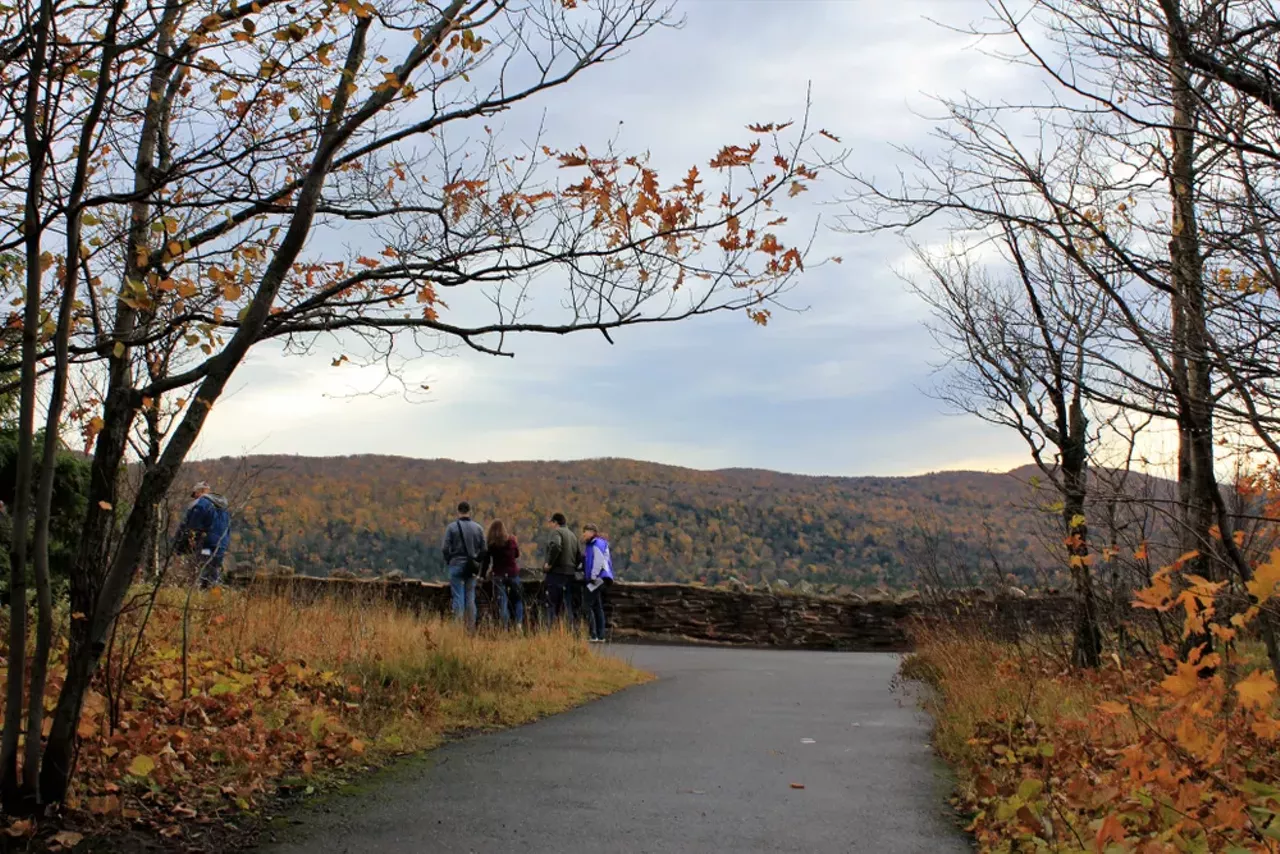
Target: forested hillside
373, 514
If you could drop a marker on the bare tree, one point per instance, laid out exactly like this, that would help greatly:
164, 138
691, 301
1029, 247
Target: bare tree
1019, 349
1121, 177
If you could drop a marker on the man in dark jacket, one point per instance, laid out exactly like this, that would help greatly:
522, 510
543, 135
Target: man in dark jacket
204, 534
465, 554
564, 555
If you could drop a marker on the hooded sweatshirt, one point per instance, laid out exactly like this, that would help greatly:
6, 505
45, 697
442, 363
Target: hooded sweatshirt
206, 525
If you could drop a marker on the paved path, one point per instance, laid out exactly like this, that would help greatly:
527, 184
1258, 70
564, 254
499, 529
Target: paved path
701, 760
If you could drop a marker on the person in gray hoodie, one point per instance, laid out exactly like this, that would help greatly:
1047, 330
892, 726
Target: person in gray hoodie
465, 554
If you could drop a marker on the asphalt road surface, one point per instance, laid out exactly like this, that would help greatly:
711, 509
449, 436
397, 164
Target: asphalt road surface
706, 759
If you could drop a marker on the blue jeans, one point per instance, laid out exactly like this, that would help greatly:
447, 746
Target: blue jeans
463, 589
510, 593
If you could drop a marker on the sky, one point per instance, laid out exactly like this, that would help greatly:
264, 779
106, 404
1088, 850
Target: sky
837, 385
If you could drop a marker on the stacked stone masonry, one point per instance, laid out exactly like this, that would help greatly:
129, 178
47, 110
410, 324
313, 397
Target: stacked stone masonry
682, 612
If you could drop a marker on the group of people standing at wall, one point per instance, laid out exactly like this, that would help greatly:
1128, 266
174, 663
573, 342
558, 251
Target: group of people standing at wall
578, 571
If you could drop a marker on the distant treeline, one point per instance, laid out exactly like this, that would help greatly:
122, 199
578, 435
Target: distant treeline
375, 514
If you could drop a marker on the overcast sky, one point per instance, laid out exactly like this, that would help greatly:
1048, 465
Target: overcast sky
838, 388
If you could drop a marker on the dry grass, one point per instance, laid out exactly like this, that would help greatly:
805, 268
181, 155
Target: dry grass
977, 680
280, 692
478, 680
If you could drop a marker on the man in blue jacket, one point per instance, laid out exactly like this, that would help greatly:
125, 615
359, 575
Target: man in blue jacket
204, 534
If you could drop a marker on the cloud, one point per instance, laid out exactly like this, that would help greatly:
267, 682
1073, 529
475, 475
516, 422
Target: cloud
836, 388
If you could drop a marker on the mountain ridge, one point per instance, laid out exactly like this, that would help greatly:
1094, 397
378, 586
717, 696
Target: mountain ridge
373, 513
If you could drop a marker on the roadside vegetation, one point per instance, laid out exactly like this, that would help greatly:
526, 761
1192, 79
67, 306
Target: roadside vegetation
1152, 751
188, 731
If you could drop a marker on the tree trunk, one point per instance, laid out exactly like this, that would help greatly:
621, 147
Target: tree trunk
119, 407
37, 151
1087, 645
1197, 481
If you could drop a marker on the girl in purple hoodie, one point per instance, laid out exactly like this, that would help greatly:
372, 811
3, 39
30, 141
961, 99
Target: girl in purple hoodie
598, 575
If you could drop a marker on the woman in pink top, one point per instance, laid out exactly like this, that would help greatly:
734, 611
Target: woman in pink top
504, 554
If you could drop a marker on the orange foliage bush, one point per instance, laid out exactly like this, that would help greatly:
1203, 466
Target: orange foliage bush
1152, 754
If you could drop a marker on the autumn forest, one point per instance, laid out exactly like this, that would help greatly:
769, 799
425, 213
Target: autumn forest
372, 514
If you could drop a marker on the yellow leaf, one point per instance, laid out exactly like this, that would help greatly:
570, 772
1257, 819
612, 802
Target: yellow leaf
142, 766
227, 94
1203, 587
1192, 737
1183, 681
325, 102
105, 505
1266, 578
1256, 689
231, 291
1223, 633
1155, 597
187, 290
1111, 707
1243, 619
1077, 521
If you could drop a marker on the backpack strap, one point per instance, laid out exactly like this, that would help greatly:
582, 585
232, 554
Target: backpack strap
466, 548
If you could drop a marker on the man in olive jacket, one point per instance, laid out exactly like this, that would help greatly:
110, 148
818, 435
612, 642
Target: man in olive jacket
564, 555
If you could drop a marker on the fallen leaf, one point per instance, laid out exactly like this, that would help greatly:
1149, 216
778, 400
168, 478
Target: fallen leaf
67, 838
142, 766
103, 805
1110, 831
20, 828
797, 785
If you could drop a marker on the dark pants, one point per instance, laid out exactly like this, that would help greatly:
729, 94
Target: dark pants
595, 611
208, 568
559, 593
579, 608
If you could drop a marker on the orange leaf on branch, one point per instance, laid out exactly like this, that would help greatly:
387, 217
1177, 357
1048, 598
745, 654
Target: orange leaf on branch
1257, 690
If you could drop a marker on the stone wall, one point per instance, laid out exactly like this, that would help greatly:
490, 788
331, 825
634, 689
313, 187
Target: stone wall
691, 613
